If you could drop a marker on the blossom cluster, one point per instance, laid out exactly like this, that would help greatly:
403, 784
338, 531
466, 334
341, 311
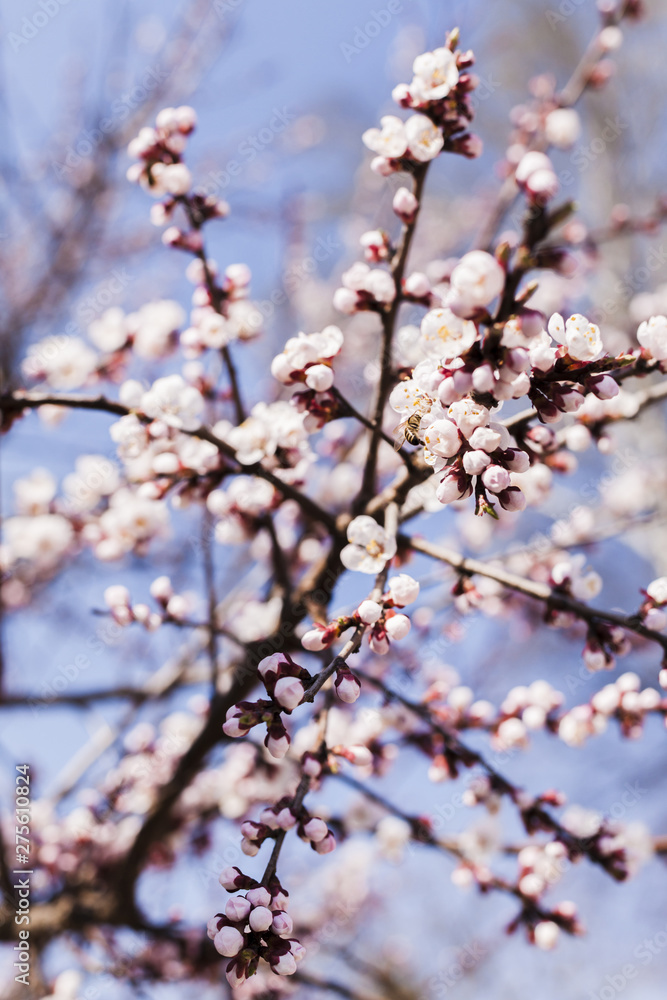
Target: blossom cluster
255, 926
286, 683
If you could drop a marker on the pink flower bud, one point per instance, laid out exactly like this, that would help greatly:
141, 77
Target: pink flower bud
529, 164
268, 818
315, 829
496, 478
235, 975
285, 819
482, 378
311, 765
232, 727
542, 185
327, 845
313, 640
177, 607
512, 499
141, 613
546, 934
516, 460
212, 927
270, 664
285, 965
237, 908
382, 166
397, 626
228, 941
282, 925
288, 692
605, 387
379, 642
359, 755
347, 687
417, 284
405, 204
345, 300
228, 878
453, 486
319, 377
260, 918
369, 612
655, 619
278, 745
259, 896
117, 596
474, 462
403, 590
297, 950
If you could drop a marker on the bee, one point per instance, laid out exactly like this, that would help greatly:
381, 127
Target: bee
408, 429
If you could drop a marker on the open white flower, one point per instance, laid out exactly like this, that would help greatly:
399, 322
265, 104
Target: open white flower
109, 332
425, 140
446, 336
475, 282
389, 141
435, 74
582, 339
154, 328
652, 335
65, 362
370, 546
175, 402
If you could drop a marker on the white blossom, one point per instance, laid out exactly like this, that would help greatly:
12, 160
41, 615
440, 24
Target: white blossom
370, 546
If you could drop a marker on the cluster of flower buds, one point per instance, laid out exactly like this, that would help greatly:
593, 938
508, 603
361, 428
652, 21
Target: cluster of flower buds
652, 611
440, 95
526, 708
282, 817
364, 288
541, 866
254, 926
570, 576
447, 402
377, 246
241, 508
603, 644
623, 700
383, 617
221, 310
163, 174
285, 682
174, 607
307, 359
536, 176
160, 170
